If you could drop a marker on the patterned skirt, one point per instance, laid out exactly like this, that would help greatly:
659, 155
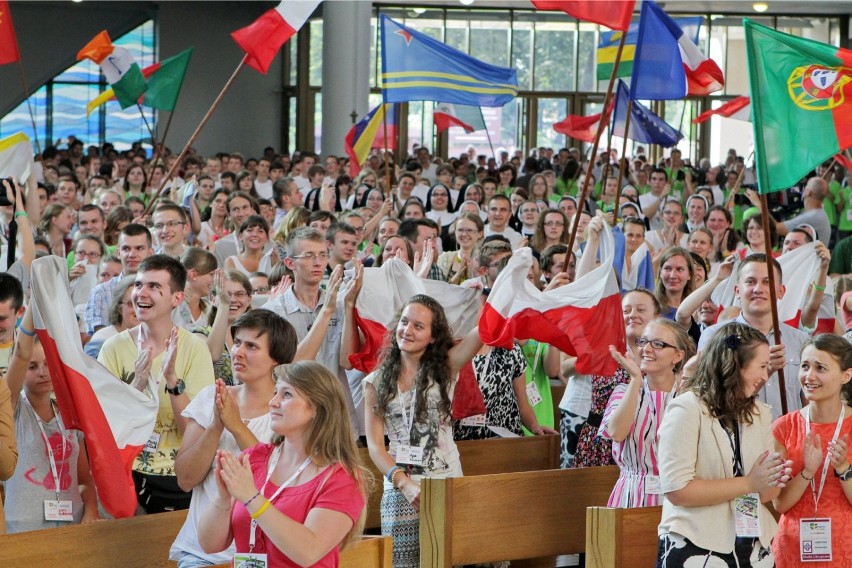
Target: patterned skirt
675, 551
402, 522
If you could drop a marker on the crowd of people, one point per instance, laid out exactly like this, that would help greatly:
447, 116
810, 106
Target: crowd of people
234, 285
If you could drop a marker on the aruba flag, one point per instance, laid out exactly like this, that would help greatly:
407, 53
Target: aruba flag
369, 133
667, 63
416, 67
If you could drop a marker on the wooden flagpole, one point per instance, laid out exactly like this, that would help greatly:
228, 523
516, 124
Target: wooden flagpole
584, 194
624, 163
773, 299
29, 105
197, 132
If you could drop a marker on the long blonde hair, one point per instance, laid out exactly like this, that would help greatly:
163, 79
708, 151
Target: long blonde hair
329, 438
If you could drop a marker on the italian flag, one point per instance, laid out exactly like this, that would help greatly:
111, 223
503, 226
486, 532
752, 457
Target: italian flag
801, 95
165, 79
118, 66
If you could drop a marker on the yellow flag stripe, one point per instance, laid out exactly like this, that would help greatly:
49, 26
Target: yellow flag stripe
451, 86
438, 75
13, 140
607, 54
99, 100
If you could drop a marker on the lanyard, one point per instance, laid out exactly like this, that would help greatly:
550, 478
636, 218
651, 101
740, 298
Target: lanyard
54, 471
405, 421
271, 469
817, 495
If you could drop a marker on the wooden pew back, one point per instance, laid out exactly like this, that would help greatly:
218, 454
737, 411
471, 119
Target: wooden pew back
139, 542
482, 457
621, 538
511, 516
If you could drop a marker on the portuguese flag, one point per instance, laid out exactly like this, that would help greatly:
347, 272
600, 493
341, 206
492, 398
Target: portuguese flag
801, 99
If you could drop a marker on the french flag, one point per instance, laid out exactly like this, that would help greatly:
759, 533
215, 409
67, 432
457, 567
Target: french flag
667, 64
263, 38
738, 108
387, 289
115, 418
582, 318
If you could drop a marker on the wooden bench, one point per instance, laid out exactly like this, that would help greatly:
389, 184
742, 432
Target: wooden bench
621, 538
138, 542
512, 516
482, 457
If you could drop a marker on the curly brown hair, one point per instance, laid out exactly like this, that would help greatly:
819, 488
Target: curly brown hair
717, 380
434, 364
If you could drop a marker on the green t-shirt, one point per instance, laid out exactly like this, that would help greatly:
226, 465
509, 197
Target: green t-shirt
845, 217
829, 204
534, 353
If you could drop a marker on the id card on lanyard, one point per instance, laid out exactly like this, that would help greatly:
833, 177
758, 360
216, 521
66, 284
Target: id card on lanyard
58, 510
251, 559
815, 532
407, 454
746, 507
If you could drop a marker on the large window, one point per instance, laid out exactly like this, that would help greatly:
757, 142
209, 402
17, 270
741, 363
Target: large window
60, 105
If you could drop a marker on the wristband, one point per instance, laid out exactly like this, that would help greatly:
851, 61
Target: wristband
252, 499
22, 214
27, 332
391, 471
256, 515
818, 288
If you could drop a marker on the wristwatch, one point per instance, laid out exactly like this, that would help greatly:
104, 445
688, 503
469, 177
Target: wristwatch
846, 475
179, 388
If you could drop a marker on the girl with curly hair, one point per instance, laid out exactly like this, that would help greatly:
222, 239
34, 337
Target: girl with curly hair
716, 459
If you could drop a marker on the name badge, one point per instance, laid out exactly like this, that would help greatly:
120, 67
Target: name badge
248, 560
153, 442
533, 394
745, 515
815, 540
849, 214
58, 510
478, 420
652, 485
411, 455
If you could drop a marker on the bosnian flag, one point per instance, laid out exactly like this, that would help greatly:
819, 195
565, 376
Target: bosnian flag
115, 418
263, 38
582, 318
580, 127
666, 64
738, 108
387, 289
118, 66
447, 115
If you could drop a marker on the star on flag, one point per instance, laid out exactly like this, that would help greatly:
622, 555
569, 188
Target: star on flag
406, 35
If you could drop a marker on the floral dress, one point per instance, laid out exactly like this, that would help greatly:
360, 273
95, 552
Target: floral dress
592, 449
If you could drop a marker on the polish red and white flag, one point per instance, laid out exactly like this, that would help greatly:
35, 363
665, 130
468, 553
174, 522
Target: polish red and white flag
115, 418
263, 38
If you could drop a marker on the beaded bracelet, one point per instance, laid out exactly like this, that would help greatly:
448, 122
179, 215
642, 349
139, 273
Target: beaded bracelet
391, 471
802, 473
397, 472
252, 499
256, 515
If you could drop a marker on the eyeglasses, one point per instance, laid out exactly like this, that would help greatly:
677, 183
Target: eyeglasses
85, 254
261, 290
311, 257
360, 229
170, 225
656, 344
241, 295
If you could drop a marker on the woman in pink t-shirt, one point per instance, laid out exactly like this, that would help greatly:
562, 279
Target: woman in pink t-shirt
298, 500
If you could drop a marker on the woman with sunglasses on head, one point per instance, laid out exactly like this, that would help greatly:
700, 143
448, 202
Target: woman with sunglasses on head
717, 467
817, 440
634, 411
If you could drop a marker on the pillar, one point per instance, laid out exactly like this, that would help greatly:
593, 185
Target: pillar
345, 69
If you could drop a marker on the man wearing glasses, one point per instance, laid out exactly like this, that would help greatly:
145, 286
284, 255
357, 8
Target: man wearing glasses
301, 305
171, 229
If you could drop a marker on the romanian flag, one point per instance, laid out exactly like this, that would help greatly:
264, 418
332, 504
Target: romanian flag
416, 67
119, 68
369, 133
614, 14
608, 47
801, 99
8, 42
165, 79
